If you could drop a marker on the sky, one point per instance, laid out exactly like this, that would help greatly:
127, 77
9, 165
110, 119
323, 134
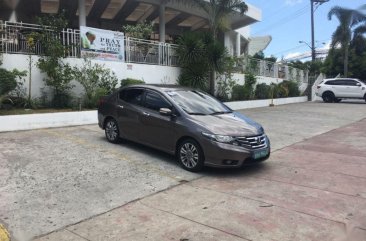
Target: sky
288, 22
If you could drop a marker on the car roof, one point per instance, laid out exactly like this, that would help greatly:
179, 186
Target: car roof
161, 87
341, 79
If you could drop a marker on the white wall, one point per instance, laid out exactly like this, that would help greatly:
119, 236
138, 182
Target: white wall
240, 78
151, 74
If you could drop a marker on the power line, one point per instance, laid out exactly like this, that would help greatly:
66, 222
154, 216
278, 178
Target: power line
287, 50
285, 20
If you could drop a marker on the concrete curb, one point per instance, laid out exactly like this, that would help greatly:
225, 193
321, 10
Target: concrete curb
48, 120
63, 119
239, 105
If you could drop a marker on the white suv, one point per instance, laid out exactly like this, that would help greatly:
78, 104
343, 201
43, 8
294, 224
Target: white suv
334, 90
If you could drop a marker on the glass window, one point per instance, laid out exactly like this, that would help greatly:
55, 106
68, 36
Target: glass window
350, 82
198, 103
330, 82
155, 101
133, 96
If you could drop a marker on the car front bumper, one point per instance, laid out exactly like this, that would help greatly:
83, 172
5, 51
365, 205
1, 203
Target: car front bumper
231, 156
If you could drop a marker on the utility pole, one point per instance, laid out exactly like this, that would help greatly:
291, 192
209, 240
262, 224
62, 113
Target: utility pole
313, 52
312, 32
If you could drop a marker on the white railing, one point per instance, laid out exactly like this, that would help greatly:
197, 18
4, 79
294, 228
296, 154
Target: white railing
265, 68
13, 40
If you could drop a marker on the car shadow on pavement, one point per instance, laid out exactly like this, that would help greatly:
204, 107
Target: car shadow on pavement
171, 160
234, 172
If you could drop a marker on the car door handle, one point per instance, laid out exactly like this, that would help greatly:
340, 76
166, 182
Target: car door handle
120, 106
145, 113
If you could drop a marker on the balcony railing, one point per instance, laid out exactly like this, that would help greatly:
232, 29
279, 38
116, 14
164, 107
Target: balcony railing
13, 40
265, 68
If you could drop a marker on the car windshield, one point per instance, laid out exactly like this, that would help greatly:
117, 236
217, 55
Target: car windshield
198, 103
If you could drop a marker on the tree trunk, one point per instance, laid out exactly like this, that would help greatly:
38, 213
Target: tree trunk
212, 82
213, 71
345, 69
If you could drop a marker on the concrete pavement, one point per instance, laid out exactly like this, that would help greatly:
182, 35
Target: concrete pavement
51, 179
297, 195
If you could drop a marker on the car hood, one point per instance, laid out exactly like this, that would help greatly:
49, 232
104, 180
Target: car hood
233, 124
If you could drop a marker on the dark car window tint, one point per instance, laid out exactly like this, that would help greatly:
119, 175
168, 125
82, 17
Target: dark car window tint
133, 96
350, 82
330, 82
197, 103
155, 101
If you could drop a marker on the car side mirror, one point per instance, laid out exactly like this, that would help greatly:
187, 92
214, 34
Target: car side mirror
165, 112
358, 84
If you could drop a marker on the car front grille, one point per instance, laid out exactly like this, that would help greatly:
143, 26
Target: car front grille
253, 142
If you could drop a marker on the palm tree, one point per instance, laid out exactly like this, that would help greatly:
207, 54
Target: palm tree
348, 20
217, 13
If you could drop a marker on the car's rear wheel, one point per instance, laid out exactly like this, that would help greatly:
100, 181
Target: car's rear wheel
190, 155
328, 97
112, 131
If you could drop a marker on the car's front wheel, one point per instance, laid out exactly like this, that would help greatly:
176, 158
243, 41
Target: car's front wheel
112, 131
190, 155
328, 97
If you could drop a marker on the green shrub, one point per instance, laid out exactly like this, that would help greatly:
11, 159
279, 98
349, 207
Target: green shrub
263, 91
279, 90
93, 101
246, 91
94, 78
242, 92
8, 81
130, 81
293, 88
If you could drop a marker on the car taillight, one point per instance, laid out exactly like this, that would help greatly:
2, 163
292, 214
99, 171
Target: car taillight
318, 87
101, 101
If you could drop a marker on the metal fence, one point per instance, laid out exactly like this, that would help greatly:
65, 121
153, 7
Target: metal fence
275, 70
14, 38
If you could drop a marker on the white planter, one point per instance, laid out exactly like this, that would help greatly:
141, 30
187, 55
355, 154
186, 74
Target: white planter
238, 105
38, 121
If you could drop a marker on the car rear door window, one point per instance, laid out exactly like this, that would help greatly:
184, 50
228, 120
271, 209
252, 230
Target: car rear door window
132, 96
155, 101
350, 82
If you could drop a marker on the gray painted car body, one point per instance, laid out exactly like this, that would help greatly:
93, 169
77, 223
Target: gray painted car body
146, 126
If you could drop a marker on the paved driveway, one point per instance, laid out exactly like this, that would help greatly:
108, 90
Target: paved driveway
56, 177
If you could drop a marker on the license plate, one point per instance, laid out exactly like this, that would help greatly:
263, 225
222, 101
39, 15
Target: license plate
260, 154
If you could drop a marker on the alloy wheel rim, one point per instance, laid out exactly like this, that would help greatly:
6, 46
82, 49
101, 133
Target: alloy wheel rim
111, 130
189, 155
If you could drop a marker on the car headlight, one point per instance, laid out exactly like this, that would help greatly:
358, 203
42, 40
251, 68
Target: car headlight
218, 138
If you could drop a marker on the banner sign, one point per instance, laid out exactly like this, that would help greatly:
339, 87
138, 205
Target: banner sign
102, 44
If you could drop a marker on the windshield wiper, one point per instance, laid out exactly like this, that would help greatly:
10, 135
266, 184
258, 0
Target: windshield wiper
196, 113
221, 112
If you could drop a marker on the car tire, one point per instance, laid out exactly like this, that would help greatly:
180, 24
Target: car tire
190, 155
328, 97
337, 100
112, 131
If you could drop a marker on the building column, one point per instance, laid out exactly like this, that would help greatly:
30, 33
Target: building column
82, 13
238, 44
162, 23
227, 44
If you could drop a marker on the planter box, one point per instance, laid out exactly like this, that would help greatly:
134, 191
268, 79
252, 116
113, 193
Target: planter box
238, 105
38, 121
62, 119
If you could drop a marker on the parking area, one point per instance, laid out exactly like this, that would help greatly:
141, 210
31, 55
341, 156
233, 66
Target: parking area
312, 190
